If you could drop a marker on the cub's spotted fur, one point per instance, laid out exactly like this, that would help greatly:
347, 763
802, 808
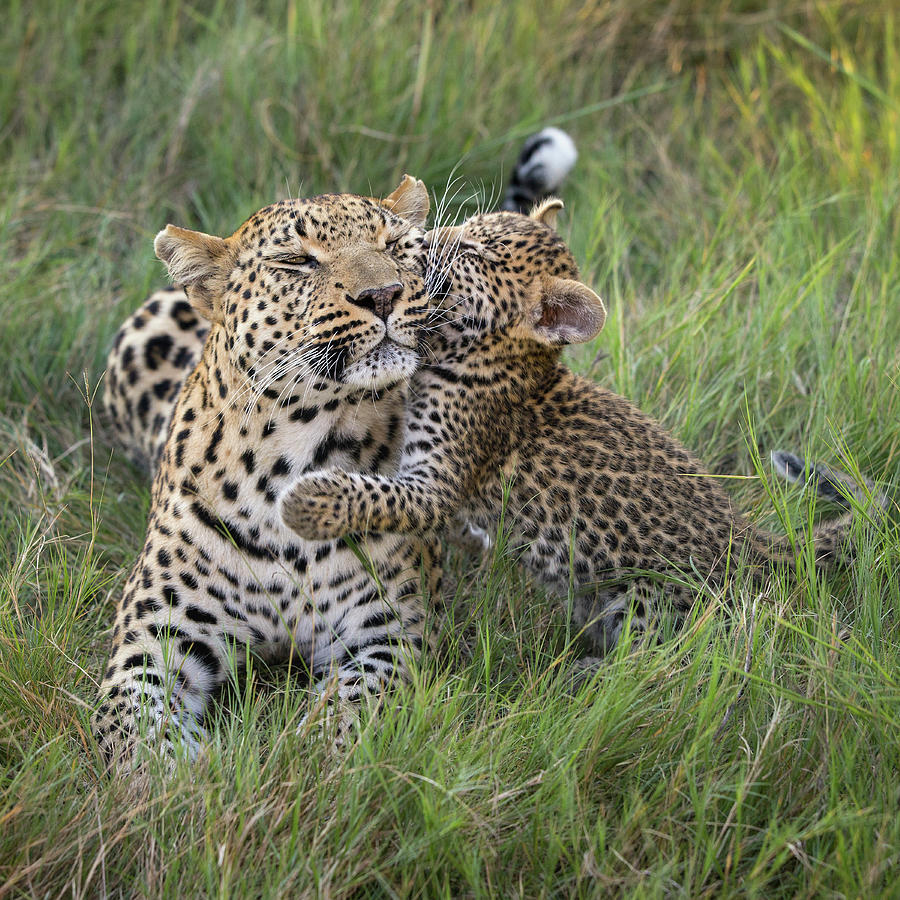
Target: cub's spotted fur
315, 310
600, 498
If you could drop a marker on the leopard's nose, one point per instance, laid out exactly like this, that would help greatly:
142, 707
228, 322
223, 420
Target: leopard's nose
379, 300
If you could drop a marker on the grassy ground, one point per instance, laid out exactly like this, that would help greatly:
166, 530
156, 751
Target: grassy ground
735, 201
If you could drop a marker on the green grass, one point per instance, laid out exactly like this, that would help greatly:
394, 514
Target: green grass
736, 203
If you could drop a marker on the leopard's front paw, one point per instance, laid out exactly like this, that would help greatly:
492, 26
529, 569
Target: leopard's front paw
317, 506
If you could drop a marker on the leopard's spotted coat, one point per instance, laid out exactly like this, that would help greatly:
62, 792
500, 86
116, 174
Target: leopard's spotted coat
315, 311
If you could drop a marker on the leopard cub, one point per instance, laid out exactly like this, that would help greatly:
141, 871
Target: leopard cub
601, 502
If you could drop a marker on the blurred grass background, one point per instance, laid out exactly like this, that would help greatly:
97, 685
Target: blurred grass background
735, 201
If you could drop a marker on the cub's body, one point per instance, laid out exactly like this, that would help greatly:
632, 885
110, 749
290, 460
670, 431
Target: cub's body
599, 502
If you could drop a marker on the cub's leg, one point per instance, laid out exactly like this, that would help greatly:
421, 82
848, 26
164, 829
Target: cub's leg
601, 611
330, 504
440, 466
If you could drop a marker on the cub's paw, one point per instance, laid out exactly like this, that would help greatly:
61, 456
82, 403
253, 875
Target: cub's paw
469, 537
317, 506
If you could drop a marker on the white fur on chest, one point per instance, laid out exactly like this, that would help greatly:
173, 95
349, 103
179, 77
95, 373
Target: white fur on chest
276, 591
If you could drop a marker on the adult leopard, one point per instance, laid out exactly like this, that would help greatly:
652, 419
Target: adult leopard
315, 311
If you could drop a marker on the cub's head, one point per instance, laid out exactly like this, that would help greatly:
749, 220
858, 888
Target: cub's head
509, 274
329, 289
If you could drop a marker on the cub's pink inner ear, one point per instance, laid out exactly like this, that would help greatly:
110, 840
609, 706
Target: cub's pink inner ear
409, 200
199, 262
568, 312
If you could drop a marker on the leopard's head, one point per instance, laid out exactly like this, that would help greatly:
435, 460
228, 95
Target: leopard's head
328, 289
510, 274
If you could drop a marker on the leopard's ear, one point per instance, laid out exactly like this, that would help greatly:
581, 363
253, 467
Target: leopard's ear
547, 211
409, 200
567, 312
200, 263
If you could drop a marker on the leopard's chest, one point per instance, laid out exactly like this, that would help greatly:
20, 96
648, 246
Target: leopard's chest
285, 595
220, 553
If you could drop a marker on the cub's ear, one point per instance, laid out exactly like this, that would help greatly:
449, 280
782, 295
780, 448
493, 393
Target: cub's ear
409, 200
200, 263
567, 312
547, 211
